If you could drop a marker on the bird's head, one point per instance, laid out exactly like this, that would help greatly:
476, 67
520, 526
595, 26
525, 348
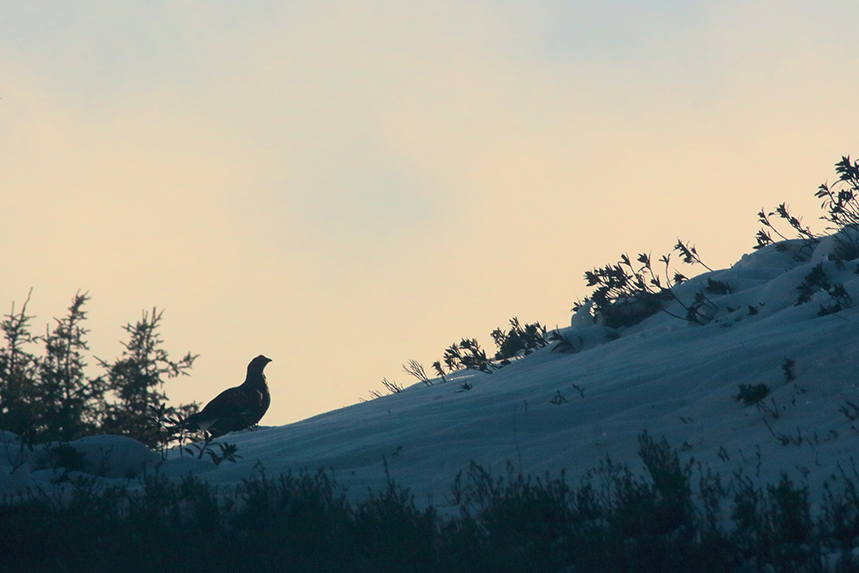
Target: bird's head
258, 363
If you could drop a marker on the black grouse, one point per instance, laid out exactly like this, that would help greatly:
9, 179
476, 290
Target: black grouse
235, 408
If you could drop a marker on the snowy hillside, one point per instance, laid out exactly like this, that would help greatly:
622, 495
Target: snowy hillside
569, 410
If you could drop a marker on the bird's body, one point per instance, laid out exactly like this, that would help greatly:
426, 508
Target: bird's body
235, 408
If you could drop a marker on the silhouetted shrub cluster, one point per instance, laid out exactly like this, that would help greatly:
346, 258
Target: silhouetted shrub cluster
466, 354
612, 521
626, 293
520, 340
752, 393
817, 281
841, 211
50, 397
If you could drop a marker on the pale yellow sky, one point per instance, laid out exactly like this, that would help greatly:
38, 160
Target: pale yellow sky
343, 186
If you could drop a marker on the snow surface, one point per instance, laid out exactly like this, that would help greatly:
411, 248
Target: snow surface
664, 375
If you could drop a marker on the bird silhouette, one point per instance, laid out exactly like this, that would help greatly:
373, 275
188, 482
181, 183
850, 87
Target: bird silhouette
235, 408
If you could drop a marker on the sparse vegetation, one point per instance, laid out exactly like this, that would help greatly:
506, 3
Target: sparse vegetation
227, 453
841, 211
416, 369
467, 354
850, 410
817, 281
789, 369
438, 369
390, 387
807, 239
752, 394
770, 408
666, 519
717, 287
563, 343
518, 340
627, 293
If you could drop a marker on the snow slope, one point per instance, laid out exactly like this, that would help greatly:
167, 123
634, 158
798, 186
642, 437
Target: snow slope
552, 410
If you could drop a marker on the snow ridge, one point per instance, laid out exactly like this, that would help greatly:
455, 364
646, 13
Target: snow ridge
662, 375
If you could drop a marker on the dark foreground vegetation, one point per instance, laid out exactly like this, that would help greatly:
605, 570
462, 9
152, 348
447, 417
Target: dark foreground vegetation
675, 517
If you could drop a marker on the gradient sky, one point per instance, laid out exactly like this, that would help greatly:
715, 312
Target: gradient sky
343, 186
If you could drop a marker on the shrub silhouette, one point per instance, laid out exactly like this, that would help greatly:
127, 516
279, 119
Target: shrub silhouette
519, 340
752, 394
467, 354
626, 293
841, 211
136, 379
51, 398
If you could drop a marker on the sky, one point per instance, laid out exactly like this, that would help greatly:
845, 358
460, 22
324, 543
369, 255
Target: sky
344, 186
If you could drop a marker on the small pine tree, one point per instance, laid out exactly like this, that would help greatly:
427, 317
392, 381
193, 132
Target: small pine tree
136, 380
69, 402
17, 369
